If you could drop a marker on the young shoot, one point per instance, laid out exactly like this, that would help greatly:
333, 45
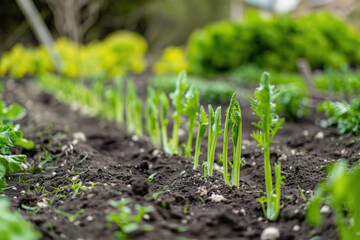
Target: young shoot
133, 109
119, 104
178, 102
127, 221
236, 138
164, 107
203, 123
191, 111
215, 125
152, 116
264, 107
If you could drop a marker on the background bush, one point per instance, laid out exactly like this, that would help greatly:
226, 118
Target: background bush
273, 43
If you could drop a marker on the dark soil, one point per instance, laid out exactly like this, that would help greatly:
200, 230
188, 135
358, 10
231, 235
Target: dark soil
121, 164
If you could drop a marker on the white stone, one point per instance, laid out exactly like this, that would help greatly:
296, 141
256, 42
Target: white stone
270, 233
155, 152
296, 228
217, 197
319, 135
283, 157
135, 138
325, 209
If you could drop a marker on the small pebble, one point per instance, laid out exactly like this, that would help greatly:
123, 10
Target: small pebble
135, 138
155, 152
80, 136
184, 221
54, 174
283, 157
146, 216
89, 218
306, 133
296, 228
319, 135
325, 209
270, 233
217, 198
242, 211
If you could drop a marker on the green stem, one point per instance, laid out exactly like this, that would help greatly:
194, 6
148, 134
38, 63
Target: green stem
190, 139
237, 159
175, 136
225, 149
212, 157
197, 150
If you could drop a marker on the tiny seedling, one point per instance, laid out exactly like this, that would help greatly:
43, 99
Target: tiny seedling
164, 107
154, 196
76, 185
71, 217
152, 116
203, 123
233, 121
264, 107
151, 177
341, 193
214, 133
178, 102
126, 220
191, 111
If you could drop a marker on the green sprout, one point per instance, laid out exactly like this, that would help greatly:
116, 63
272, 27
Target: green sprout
76, 185
214, 133
164, 107
236, 137
203, 123
71, 217
178, 102
191, 111
152, 116
151, 177
13, 226
126, 220
341, 193
133, 109
264, 107
119, 103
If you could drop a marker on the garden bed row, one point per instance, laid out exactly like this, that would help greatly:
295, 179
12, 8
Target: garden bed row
113, 165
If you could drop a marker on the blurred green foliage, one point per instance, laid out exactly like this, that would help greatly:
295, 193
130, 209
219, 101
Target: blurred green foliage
210, 91
119, 53
273, 43
292, 101
339, 191
13, 226
345, 116
343, 82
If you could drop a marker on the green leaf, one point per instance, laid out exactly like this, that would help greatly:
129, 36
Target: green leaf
12, 163
313, 216
13, 226
2, 171
11, 113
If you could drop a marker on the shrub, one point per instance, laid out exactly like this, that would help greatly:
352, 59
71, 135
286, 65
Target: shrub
276, 43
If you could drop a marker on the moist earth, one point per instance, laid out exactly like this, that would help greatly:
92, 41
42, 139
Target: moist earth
70, 145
